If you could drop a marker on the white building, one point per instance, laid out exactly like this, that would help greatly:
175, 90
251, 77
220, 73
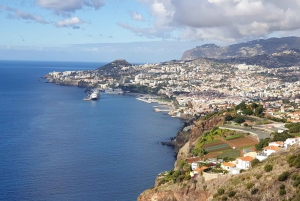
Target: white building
244, 162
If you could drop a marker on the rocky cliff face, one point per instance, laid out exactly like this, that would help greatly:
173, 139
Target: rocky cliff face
193, 190
249, 49
185, 142
279, 183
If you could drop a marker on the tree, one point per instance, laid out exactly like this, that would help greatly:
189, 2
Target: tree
254, 105
258, 111
247, 111
262, 143
228, 118
241, 106
239, 119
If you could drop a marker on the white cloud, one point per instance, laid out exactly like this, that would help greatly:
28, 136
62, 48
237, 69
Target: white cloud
137, 16
66, 6
72, 22
18, 14
225, 20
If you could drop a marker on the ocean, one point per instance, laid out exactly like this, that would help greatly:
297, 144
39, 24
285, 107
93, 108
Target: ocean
55, 146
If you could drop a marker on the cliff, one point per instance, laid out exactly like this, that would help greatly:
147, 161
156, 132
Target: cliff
191, 190
280, 181
248, 49
185, 141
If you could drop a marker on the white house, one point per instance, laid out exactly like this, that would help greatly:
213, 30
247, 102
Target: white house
277, 144
244, 162
194, 165
291, 141
227, 166
270, 149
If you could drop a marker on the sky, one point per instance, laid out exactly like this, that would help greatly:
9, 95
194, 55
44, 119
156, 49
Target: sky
142, 31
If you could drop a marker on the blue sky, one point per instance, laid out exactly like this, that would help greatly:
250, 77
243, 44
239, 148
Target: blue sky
135, 30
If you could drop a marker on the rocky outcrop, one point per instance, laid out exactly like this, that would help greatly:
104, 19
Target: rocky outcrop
248, 49
192, 190
196, 189
185, 142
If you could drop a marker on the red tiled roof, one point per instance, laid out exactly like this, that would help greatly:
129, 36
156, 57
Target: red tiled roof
228, 164
274, 148
246, 158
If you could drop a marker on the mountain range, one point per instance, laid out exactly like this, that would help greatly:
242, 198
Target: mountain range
273, 52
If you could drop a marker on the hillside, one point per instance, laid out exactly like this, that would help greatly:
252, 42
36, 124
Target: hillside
286, 58
248, 49
114, 68
280, 183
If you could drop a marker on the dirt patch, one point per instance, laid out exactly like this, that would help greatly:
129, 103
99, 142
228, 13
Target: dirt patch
242, 142
211, 155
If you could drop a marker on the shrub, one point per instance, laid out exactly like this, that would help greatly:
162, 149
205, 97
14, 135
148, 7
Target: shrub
250, 185
224, 198
282, 186
262, 143
239, 120
296, 183
231, 194
221, 191
254, 191
282, 192
228, 118
283, 176
295, 177
258, 176
242, 170
268, 168
294, 160
255, 162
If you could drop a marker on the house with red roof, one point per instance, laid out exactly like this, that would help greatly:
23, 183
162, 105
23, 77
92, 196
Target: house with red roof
244, 162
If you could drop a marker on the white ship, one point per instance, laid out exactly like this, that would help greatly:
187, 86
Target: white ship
95, 95
114, 91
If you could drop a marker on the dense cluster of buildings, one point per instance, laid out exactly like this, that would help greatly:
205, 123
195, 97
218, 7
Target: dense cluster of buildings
201, 86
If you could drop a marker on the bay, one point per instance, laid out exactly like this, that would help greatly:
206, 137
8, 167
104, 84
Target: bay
55, 146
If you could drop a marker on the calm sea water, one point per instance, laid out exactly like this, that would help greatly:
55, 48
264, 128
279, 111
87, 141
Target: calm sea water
55, 146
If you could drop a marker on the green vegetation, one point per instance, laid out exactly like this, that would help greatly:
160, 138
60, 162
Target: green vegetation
296, 179
293, 127
283, 176
250, 109
233, 136
178, 175
255, 162
254, 191
250, 185
217, 147
229, 118
262, 143
239, 119
276, 119
231, 194
220, 191
281, 136
282, 191
268, 167
294, 160
229, 154
258, 176
224, 198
